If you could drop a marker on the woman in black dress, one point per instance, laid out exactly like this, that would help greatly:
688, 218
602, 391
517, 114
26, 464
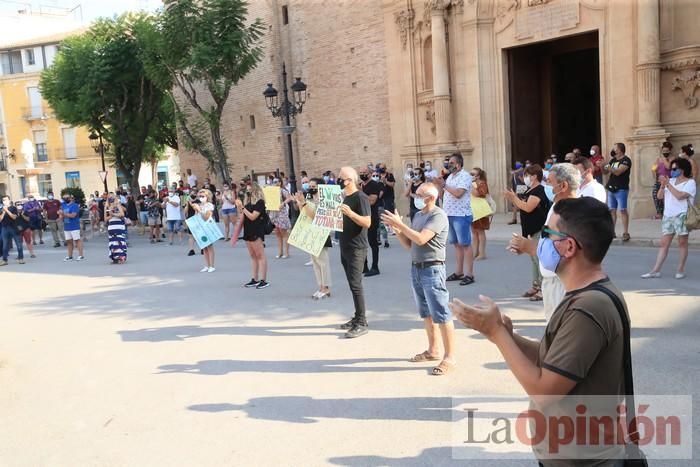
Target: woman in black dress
254, 220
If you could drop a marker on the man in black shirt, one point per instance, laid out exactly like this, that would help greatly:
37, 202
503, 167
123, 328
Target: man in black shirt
388, 199
373, 189
353, 246
8, 226
618, 186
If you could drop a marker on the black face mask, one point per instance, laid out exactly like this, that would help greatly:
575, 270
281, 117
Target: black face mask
67, 200
364, 177
341, 183
313, 191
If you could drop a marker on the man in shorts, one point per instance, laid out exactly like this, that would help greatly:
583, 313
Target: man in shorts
70, 214
427, 239
174, 215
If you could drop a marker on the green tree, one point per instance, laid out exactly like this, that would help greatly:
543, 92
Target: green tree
99, 80
200, 50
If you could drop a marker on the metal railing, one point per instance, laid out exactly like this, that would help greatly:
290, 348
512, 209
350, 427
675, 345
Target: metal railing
35, 113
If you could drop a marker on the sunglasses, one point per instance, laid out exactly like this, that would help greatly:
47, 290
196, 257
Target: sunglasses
546, 232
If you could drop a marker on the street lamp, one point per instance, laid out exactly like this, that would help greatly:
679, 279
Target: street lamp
285, 110
100, 148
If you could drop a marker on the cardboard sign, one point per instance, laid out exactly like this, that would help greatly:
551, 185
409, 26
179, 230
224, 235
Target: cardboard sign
273, 196
308, 237
480, 208
328, 213
205, 233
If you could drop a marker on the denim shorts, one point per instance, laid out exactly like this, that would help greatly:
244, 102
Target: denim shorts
174, 225
618, 200
430, 292
143, 217
460, 230
229, 212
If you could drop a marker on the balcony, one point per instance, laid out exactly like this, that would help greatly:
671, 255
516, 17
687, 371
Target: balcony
35, 113
70, 154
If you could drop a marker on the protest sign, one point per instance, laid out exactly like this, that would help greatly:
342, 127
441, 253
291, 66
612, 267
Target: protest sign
272, 198
204, 232
480, 208
328, 213
308, 237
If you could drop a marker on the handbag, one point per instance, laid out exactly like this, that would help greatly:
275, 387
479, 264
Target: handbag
692, 219
634, 457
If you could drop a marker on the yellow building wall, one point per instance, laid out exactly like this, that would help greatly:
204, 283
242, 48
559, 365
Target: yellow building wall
14, 98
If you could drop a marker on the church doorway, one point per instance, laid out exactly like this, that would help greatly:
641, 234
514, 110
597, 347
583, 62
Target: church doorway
554, 97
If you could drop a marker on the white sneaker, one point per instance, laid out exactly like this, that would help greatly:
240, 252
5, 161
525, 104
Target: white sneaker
651, 275
80, 258
68, 258
309, 263
211, 269
204, 269
680, 275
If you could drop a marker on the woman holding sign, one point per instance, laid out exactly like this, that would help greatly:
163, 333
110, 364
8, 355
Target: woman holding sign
322, 262
205, 209
254, 220
283, 223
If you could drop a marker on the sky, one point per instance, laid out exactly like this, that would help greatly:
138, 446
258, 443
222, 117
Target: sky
91, 9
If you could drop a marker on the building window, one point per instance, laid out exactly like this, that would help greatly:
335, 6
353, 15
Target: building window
42, 154
285, 14
45, 185
22, 187
73, 179
69, 143
11, 63
29, 53
252, 122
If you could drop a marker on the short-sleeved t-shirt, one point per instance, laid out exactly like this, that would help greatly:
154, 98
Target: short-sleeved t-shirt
458, 207
435, 249
252, 230
7, 221
593, 189
141, 203
532, 222
22, 223
389, 195
354, 236
373, 188
52, 207
153, 207
71, 224
674, 206
621, 182
173, 213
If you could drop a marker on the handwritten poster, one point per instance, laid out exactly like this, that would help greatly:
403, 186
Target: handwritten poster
272, 198
328, 213
205, 233
307, 237
480, 208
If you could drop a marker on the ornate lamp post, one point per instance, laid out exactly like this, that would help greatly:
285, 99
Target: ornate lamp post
285, 110
100, 148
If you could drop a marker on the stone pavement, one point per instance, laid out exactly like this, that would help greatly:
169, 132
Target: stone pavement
644, 232
153, 363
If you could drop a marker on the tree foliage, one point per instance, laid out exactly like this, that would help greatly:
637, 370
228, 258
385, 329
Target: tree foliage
200, 50
99, 80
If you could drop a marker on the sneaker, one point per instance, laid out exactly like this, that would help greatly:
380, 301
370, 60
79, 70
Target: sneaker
68, 258
204, 269
309, 263
191, 253
348, 325
80, 258
211, 269
356, 331
41, 242
680, 275
372, 272
57, 245
3, 262
262, 284
386, 245
651, 275
20, 261
32, 256
250, 284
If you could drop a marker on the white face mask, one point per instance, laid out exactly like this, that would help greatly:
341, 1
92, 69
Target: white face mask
171, 193
591, 152
375, 178
528, 180
50, 196
202, 199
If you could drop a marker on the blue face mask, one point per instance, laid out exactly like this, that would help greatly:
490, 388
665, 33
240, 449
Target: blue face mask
548, 166
675, 173
326, 178
420, 203
548, 255
518, 165
305, 186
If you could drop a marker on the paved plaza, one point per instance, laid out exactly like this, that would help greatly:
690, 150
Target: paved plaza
155, 364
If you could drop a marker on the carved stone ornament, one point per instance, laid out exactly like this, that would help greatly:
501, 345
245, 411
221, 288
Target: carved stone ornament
536, 2
430, 114
440, 5
404, 21
687, 81
505, 13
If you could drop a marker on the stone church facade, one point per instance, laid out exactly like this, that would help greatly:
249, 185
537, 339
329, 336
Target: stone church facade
499, 80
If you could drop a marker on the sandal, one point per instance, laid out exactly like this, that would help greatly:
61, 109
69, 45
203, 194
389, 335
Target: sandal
537, 297
531, 292
423, 357
512, 222
443, 368
467, 280
625, 237
455, 277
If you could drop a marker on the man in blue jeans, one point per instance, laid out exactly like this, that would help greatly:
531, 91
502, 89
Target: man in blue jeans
8, 219
427, 239
457, 204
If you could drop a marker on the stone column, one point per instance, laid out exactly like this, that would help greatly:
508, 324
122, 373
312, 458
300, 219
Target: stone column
441, 73
648, 64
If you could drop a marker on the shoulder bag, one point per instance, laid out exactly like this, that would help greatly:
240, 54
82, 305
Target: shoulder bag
634, 457
692, 220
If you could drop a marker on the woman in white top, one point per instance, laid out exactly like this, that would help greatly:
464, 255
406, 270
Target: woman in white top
229, 214
676, 191
205, 209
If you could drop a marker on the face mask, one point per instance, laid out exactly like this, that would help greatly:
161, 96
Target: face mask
419, 202
548, 166
341, 184
331, 181
518, 165
675, 173
326, 178
171, 193
364, 177
305, 186
428, 167
30, 199
375, 178
67, 200
313, 191
452, 168
446, 165
50, 196
591, 152
527, 181
548, 255
666, 154
202, 199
